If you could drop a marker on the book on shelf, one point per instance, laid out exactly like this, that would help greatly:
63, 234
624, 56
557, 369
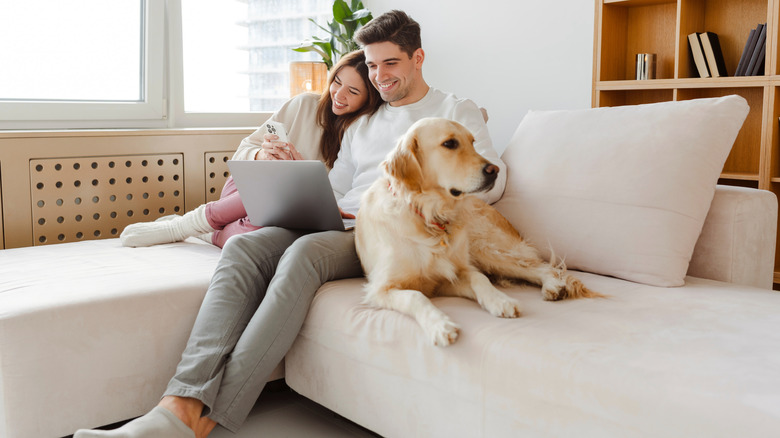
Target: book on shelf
713, 54
744, 59
759, 68
696, 51
757, 57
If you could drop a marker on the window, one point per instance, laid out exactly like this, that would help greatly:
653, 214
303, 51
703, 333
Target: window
149, 63
81, 59
242, 63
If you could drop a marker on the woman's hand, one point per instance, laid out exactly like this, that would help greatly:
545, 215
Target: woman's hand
346, 215
277, 150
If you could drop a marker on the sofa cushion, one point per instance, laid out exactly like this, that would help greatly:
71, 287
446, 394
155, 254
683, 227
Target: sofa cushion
648, 361
620, 191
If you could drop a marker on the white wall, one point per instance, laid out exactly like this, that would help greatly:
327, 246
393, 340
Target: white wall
508, 57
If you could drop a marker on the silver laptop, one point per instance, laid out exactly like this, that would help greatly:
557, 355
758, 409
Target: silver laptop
289, 194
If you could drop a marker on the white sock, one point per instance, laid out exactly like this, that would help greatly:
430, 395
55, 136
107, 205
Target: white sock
158, 423
176, 229
206, 238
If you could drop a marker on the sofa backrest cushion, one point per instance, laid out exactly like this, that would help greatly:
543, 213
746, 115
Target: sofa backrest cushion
620, 191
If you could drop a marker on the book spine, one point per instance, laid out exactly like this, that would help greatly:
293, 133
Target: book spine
757, 51
697, 53
714, 53
746, 51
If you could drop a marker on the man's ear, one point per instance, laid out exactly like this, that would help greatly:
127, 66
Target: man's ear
418, 57
404, 166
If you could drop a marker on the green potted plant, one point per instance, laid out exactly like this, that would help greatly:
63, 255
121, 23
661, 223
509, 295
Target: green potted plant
347, 19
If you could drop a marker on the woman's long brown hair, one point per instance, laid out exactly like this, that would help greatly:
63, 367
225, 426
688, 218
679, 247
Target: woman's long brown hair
333, 126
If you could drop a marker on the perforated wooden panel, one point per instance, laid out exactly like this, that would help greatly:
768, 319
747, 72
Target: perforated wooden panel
216, 173
2, 225
96, 197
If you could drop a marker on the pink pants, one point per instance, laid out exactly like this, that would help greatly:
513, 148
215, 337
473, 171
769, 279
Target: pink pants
227, 215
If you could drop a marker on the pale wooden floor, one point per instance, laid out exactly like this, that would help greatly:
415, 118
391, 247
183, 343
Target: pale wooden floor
281, 413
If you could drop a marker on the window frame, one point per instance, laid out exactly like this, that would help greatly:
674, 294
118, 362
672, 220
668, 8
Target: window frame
151, 111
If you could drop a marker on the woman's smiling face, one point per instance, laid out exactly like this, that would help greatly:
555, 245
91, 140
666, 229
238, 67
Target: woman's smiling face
347, 91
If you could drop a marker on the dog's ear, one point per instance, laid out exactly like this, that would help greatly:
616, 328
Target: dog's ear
403, 164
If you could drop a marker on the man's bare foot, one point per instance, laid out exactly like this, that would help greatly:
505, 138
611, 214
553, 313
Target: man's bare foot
204, 427
187, 409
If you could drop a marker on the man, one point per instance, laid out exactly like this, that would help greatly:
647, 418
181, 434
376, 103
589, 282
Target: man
266, 279
395, 58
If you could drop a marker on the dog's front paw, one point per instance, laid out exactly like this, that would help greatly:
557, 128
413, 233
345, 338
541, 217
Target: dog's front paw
442, 331
505, 307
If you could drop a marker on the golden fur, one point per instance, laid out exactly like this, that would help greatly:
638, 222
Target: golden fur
420, 233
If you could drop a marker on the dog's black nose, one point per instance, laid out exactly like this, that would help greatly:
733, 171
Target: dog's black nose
490, 171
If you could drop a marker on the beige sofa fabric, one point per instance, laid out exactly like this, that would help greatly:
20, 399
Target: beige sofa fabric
696, 360
647, 361
620, 191
737, 245
91, 332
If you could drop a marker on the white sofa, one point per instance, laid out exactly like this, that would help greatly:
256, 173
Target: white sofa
90, 333
625, 194
695, 361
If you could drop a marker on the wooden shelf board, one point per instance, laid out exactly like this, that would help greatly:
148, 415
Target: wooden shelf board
637, 2
739, 176
650, 84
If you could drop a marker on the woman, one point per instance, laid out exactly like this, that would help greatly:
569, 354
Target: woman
311, 121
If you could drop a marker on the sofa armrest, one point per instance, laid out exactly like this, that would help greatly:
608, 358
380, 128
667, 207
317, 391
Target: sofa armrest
737, 242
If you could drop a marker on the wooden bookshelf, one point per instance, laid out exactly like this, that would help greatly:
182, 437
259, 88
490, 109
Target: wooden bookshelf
624, 28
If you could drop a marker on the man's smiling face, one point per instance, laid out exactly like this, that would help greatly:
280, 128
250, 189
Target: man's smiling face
392, 71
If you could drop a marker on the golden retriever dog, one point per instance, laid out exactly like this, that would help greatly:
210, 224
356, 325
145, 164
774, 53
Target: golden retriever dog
421, 233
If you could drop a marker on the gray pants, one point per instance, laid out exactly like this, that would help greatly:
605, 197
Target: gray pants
252, 312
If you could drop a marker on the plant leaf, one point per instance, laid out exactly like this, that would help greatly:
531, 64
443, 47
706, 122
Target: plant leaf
304, 49
341, 31
341, 11
326, 58
358, 15
318, 25
327, 47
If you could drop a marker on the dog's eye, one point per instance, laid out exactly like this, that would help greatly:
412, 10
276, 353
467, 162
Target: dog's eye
450, 144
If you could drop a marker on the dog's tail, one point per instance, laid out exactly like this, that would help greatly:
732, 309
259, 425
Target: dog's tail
576, 289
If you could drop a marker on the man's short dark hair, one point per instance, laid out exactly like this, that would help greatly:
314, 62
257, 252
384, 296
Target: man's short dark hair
394, 26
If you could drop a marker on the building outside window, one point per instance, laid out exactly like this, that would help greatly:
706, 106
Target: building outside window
275, 27
252, 42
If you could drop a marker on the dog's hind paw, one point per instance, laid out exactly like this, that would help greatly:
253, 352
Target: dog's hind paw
552, 294
554, 290
443, 332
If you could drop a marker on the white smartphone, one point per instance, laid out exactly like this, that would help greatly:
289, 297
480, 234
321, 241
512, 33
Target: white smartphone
278, 129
